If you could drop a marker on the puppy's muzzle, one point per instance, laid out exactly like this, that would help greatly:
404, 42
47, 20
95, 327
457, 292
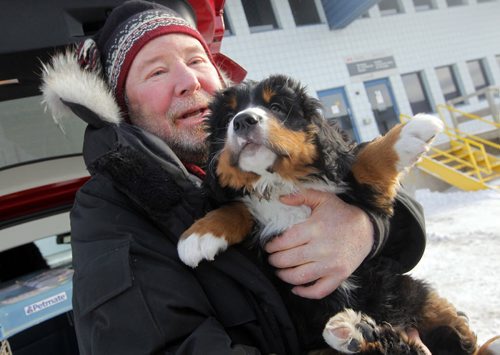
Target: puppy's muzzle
244, 123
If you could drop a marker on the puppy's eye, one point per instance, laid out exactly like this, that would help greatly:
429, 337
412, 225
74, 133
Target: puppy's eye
276, 108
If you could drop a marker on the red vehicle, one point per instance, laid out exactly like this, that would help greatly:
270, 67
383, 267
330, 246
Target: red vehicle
41, 166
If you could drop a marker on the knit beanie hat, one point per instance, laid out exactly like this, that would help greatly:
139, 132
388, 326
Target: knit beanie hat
128, 28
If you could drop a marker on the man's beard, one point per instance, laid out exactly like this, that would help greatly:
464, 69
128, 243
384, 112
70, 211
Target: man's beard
188, 143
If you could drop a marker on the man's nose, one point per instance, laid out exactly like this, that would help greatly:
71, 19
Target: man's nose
186, 81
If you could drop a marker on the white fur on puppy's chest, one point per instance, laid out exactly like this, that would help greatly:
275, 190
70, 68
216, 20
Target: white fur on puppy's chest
275, 216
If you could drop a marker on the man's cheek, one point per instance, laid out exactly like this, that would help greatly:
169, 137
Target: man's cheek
157, 101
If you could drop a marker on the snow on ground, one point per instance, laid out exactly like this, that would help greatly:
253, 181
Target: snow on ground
462, 257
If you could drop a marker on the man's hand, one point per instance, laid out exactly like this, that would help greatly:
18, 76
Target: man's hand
324, 249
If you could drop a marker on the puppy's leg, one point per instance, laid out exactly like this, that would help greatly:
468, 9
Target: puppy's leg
451, 327
380, 162
491, 347
351, 332
225, 226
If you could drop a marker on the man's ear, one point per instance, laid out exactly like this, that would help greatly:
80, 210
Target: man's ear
335, 149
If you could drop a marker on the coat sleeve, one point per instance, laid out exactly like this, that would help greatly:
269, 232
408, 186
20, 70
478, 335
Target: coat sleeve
402, 238
131, 294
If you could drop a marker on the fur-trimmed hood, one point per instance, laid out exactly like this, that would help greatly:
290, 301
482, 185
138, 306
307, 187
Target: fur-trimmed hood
68, 87
134, 159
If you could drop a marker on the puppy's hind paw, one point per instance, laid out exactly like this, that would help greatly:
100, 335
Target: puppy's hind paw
195, 248
349, 331
415, 139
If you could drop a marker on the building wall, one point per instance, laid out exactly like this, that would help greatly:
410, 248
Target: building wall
418, 41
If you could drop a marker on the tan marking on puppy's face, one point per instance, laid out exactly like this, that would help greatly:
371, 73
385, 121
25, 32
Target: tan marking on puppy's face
231, 176
232, 103
296, 150
267, 94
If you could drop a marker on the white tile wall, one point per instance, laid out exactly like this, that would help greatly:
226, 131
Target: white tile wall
419, 41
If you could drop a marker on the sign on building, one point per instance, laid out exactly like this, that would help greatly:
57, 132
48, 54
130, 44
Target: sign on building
363, 68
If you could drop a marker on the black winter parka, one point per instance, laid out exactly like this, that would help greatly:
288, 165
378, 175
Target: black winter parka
132, 294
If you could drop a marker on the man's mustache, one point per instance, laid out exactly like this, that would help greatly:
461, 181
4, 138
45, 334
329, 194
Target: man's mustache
184, 105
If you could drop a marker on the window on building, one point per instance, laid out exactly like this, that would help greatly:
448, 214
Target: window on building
448, 82
478, 75
304, 12
451, 3
498, 60
228, 28
417, 93
260, 15
390, 7
424, 5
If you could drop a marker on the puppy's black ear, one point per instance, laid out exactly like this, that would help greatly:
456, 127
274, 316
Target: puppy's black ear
335, 149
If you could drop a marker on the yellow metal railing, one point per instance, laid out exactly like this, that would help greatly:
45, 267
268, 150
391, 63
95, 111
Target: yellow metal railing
453, 110
474, 152
460, 133
5, 348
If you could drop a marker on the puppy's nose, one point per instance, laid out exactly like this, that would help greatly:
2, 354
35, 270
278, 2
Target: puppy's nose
245, 122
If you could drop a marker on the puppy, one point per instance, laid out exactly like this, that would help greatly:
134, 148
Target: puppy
269, 139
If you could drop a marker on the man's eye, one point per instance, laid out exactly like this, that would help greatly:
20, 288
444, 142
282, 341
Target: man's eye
276, 108
157, 72
196, 61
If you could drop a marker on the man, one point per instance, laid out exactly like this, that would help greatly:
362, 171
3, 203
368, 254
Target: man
132, 294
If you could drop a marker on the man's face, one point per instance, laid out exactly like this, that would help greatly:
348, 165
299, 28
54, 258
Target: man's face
169, 85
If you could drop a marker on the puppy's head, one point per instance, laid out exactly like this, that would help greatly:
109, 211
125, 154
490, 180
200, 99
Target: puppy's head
272, 128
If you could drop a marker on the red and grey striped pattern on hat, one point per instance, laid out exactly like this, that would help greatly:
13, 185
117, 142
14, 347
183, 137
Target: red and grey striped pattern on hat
135, 24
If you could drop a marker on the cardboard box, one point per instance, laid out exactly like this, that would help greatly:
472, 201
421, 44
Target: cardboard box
33, 299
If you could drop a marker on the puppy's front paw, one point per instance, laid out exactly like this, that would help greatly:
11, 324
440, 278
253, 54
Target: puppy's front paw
415, 139
195, 248
349, 331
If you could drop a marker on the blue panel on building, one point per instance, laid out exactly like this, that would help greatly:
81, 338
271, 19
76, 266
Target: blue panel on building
340, 13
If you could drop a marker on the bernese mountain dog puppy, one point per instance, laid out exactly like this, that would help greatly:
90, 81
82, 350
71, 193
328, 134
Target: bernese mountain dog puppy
270, 139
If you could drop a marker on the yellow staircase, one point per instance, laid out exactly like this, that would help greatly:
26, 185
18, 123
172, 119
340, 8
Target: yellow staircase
468, 162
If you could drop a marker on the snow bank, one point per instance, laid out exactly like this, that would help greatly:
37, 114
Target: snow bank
462, 258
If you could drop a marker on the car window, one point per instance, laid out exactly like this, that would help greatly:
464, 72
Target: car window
56, 250
28, 133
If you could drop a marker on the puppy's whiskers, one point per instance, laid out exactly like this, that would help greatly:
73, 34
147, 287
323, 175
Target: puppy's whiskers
213, 161
288, 114
219, 140
280, 148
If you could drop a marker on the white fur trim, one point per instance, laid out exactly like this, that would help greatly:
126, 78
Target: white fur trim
64, 79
